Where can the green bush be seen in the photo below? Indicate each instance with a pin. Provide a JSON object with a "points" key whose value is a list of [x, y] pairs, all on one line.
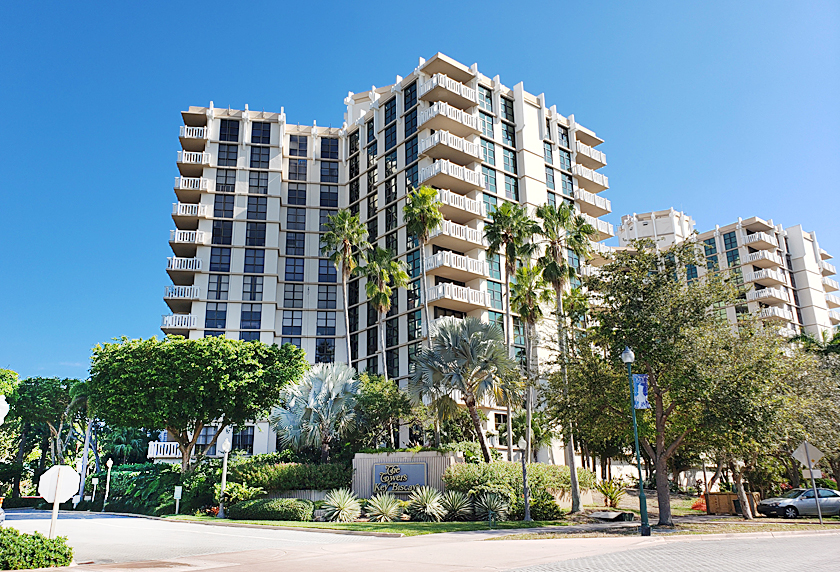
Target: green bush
{"points": [[272, 509], [237, 492], [292, 476], [424, 505], [384, 508], [22, 502], [543, 507], [342, 505], [491, 506], [20, 551], [471, 450], [613, 491], [457, 505], [826, 483]]}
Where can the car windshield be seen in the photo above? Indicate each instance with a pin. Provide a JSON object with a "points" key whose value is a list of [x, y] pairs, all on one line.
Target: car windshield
{"points": [[792, 494]]}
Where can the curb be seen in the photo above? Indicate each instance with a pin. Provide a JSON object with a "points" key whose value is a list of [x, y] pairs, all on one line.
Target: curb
{"points": [[779, 533]]}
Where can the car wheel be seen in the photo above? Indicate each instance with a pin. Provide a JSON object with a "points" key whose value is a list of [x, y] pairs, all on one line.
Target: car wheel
{"points": [[791, 512]]}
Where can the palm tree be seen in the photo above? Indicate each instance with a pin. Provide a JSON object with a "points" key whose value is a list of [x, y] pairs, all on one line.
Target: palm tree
{"points": [[383, 274], [563, 233], [467, 359], [127, 443], [421, 215], [528, 293], [509, 232], [345, 236], [318, 409]]}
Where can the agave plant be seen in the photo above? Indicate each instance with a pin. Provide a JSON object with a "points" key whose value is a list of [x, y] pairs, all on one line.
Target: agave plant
{"points": [[491, 506], [342, 505], [424, 505], [613, 490], [457, 506], [384, 508]]}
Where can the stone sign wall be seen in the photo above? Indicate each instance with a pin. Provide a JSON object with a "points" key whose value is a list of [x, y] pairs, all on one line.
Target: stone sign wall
{"points": [[401, 472]]}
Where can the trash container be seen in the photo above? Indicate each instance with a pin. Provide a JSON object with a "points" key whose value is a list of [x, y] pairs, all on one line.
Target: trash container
{"points": [[737, 504]]}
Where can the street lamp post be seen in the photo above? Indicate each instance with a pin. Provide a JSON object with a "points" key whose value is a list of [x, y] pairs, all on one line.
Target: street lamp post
{"points": [[225, 450], [109, 463], [628, 357]]}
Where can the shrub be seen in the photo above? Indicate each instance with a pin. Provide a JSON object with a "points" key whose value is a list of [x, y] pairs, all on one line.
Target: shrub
{"points": [[20, 551], [613, 491], [491, 506], [543, 507], [424, 505], [384, 508], [292, 476], [342, 505], [272, 509], [826, 483], [457, 506], [471, 450], [237, 492], [22, 502]]}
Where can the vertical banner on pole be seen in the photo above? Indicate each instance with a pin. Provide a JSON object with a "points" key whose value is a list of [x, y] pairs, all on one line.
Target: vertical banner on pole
{"points": [[640, 391]]}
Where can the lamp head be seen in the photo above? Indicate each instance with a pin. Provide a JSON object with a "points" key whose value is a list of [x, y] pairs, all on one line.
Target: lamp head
{"points": [[627, 356], [226, 446], [109, 463]]}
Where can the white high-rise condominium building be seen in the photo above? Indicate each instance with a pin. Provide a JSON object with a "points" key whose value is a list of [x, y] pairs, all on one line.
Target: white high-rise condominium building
{"points": [[785, 270], [254, 193]]}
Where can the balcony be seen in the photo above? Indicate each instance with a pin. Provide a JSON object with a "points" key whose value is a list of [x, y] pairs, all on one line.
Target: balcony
{"points": [[589, 157], [459, 208], [178, 323], [186, 215], [832, 301], [761, 241], [774, 313], [827, 268], [446, 175], [163, 450], [834, 316], [443, 88], [443, 117], [182, 270], [605, 230], [824, 255], [179, 298], [764, 259], [458, 297], [189, 189], [830, 285], [592, 204], [768, 277], [768, 296], [592, 181], [456, 266], [192, 138], [184, 242], [192, 163], [444, 145], [599, 253], [457, 237]]}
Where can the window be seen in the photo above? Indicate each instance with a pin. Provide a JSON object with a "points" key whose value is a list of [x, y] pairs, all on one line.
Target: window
{"points": [[392, 362], [227, 156], [222, 232], [373, 229], [412, 293], [213, 334], [294, 269], [390, 218], [710, 246], [391, 243], [297, 169], [394, 299], [490, 201], [251, 317], [217, 288], [326, 271], [551, 199], [261, 133], [547, 151], [415, 325], [518, 332], [354, 346], [411, 150], [215, 315], [489, 177], [712, 262], [254, 261], [565, 160], [295, 243], [497, 319], [733, 258], [411, 177], [297, 145], [295, 218], [294, 342], [204, 438], [412, 261], [372, 204], [371, 179], [509, 161], [255, 234], [391, 163], [512, 188], [690, 272], [243, 439], [485, 123], [410, 122], [354, 191], [507, 109], [567, 186], [257, 207], [564, 136], [329, 172], [326, 297], [293, 296], [259, 157], [372, 316], [508, 134], [329, 196], [548, 129], [495, 265], [252, 288], [292, 322], [485, 98], [372, 342], [413, 350], [229, 130], [354, 142], [219, 259], [390, 190], [223, 206], [297, 194], [329, 148], [258, 182], [225, 181], [549, 178], [730, 241], [495, 291], [353, 318], [324, 219], [325, 324], [410, 96], [371, 132], [391, 110], [353, 292], [354, 166], [324, 350], [488, 151], [390, 137]]}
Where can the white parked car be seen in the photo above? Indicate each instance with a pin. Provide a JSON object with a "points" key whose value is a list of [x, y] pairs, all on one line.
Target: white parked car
{"points": [[800, 502]]}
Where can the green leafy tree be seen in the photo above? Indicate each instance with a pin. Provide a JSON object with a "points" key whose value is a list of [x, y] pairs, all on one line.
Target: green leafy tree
{"points": [[127, 444], [48, 401], [467, 359], [384, 275], [185, 385], [344, 238]]}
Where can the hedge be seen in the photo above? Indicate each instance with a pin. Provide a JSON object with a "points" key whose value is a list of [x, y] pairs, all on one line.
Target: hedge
{"points": [[20, 551], [292, 476], [22, 502], [272, 509]]}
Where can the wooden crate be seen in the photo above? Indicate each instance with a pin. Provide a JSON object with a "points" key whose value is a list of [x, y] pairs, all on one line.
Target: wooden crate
{"points": [[724, 503]]}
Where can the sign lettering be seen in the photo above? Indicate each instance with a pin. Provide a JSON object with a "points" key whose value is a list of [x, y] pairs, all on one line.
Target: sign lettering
{"points": [[398, 477]]}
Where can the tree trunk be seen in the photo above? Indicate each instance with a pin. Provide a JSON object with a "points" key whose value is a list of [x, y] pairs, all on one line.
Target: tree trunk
{"points": [[603, 468], [509, 423], [346, 313], [85, 459], [746, 512], [509, 344], [437, 431], [469, 401], [570, 446], [715, 477], [382, 344], [19, 459], [427, 321], [325, 450], [663, 494], [528, 398]]}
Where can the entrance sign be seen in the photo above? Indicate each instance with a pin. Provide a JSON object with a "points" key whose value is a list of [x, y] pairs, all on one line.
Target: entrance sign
{"points": [[640, 391], [398, 477]]}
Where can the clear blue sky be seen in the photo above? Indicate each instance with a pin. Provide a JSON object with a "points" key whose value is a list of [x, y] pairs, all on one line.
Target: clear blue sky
{"points": [[722, 109]]}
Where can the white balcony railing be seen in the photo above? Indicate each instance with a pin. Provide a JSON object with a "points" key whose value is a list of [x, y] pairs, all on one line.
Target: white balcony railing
{"points": [[591, 152], [766, 293], [774, 312], [444, 167], [827, 268], [766, 274], [761, 237], [191, 183], [447, 197], [832, 300], [593, 199], [460, 232], [458, 262], [180, 263], [830, 284], [594, 176], [446, 82], [602, 226], [181, 321], [764, 255], [187, 236], [459, 293], [194, 157], [188, 132], [189, 209], [163, 450], [183, 292], [453, 113], [834, 315], [450, 140]]}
